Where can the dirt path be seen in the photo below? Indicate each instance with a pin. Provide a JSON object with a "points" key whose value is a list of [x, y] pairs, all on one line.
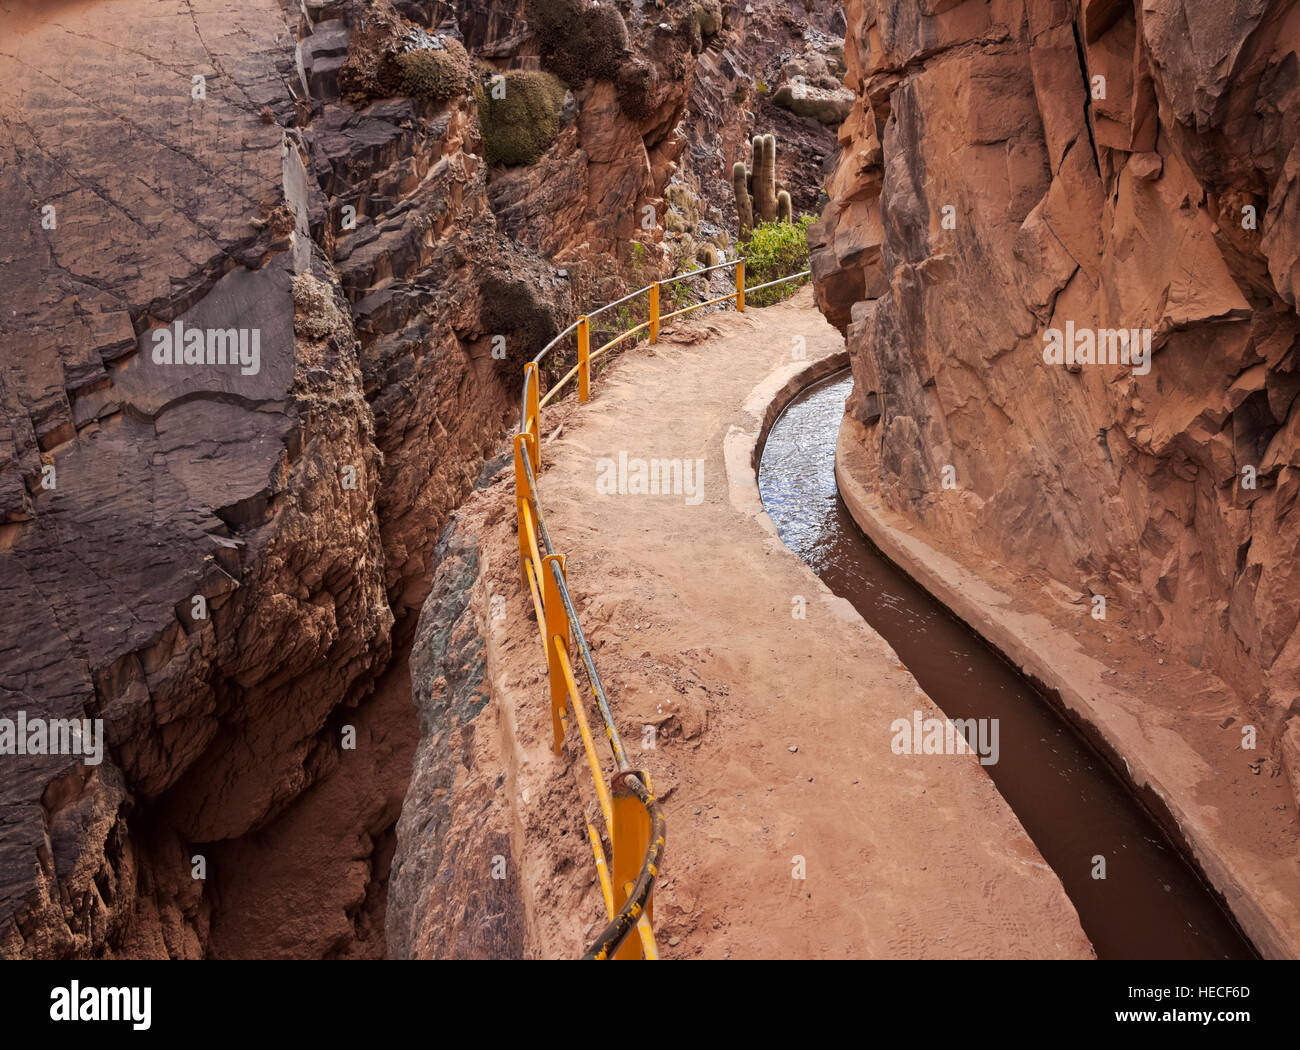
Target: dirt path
{"points": [[772, 731]]}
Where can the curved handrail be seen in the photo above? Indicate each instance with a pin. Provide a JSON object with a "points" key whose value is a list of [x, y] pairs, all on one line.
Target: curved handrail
{"points": [[616, 744], [632, 835]]}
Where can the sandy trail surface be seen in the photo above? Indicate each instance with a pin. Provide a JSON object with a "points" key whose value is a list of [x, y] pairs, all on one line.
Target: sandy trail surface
{"points": [[771, 731]]}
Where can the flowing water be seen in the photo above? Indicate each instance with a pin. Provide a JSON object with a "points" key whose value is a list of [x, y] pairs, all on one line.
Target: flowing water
{"points": [[1151, 904]]}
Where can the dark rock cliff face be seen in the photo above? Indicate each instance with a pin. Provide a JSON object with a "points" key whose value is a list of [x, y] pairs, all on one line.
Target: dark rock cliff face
{"points": [[167, 482], [1023, 165], [301, 502]]}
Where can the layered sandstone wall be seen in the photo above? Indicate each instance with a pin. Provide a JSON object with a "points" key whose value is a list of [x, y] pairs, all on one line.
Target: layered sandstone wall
{"points": [[1018, 166]]}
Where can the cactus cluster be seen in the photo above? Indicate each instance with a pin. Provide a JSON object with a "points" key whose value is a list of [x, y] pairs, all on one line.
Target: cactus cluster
{"points": [[755, 188]]}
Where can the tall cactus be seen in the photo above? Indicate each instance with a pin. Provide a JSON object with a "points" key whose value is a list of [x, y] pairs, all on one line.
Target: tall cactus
{"points": [[755, 188], [765, 178], [784, 207], [744, 203]]}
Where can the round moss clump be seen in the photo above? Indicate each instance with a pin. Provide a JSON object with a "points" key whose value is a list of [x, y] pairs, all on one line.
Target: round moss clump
{"points": [[708, 13], [635, 84], [516, 307], [519, 113], [579, 41], [607, 36], [434, 74]]}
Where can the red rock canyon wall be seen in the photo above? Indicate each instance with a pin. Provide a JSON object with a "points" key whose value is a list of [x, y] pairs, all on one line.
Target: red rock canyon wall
{"points": [[1021, 166]]}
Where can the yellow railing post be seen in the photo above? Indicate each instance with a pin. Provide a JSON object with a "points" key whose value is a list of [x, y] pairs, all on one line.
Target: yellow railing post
{"points": [[740, 285], [584, 360], [557, 633], [533, 415], [631, 835], [522, 503], [654, 312]]}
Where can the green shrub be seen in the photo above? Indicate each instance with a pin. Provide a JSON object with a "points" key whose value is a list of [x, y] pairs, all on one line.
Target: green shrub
{"points": [[775, 250], [579, 41], [550, 17], [437, 75], [519, 126]]}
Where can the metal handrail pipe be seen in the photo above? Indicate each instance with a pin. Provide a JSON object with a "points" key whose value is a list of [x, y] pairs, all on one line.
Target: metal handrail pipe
{"points": [[730, 264], [619, 302], [698, 306], [779, 280]]}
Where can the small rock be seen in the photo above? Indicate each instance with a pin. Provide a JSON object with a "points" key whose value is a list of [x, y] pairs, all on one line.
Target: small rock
{"points": [[792, 748], [1146, 166]]}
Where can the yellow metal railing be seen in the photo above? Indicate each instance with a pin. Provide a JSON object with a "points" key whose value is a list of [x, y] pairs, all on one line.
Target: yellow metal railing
{"points": [[633, 822]]}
